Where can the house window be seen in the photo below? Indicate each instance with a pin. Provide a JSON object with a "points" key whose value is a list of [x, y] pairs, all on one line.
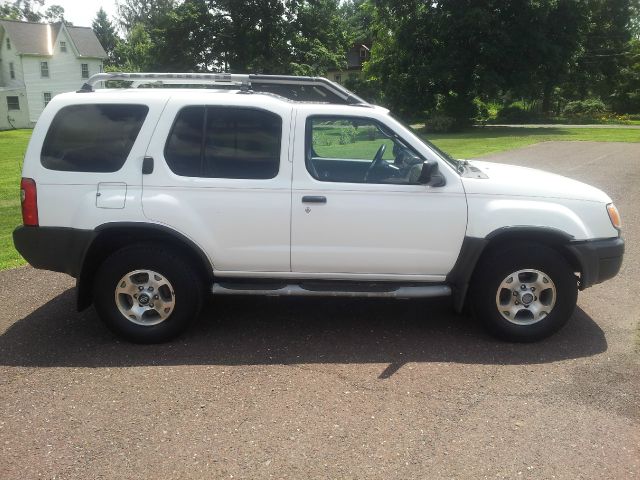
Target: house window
{"points": [[363, 53], [63, 46], [85, 70], [44, 69], [338, 78], [8, 44], [12, 72], [13, 103], [100, 68], [47, 98]]}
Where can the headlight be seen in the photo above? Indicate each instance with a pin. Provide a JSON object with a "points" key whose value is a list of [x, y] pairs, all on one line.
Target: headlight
{"points": [[614, 216]]}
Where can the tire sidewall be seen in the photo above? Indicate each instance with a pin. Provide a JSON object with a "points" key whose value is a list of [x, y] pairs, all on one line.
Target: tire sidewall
{"points": [[503, 263], [166, 263]]}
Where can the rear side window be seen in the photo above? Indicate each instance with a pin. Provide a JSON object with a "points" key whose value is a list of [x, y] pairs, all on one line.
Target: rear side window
{"points": [[225, 142], [92, 138]]}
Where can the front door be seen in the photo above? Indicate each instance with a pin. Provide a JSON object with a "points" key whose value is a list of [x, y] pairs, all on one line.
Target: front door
{"points": [[358, 209], [222, 177]]}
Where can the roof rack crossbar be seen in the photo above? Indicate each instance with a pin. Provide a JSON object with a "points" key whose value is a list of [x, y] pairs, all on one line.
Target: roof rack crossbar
{"points": [[243, 81]]}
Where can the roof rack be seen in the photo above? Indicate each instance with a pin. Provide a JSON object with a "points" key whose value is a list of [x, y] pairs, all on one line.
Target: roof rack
{"points": [[305, 89]]}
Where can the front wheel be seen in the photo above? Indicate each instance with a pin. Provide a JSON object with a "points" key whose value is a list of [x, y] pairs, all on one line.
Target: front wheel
{"points": [[525, 292], [147, 293]]}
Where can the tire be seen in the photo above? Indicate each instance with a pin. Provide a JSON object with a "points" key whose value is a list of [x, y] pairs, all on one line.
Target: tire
{"points": [[131, 279], [508, 277]]}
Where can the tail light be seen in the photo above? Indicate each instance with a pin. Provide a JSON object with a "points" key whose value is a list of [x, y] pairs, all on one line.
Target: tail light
{"points": [[29, 201]]}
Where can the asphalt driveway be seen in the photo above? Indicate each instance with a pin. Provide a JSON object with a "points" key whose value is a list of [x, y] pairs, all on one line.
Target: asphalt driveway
{"points": [[331, 388]]}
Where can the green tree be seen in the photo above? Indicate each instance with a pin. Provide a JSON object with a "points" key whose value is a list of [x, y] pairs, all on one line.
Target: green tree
{"points": [[134, 53], [320, 40], [27, 10], [55, 13], [190, 38], [142, 12], [106, 33]]}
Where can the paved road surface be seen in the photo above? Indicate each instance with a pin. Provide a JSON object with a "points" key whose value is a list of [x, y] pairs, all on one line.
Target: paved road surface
{"points": [[328, 388]]}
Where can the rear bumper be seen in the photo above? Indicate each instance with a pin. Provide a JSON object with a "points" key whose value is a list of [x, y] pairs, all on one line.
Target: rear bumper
{"points": [[53, 248], [599, 260]]}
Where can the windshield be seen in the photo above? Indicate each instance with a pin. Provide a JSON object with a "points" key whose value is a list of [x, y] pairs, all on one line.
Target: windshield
{"points": [[442, 154]]}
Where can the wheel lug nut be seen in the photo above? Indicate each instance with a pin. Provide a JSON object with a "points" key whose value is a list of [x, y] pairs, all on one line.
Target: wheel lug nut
{"points": [[517, 302], [151, 289], [140, 288], [533, 289], [156, 297], [151, 305], [523, 287]]}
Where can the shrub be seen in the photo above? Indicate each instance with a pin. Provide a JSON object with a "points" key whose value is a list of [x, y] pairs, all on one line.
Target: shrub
{"points": [[591, 107], [347, 135], [321, 139], [439, 123], [515, 113]]}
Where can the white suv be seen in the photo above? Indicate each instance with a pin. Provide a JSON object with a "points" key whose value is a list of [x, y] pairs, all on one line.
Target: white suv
{"points": [[267, 185]]}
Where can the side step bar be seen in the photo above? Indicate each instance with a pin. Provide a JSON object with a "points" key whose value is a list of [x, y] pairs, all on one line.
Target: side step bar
{"points": [[422, 291]]}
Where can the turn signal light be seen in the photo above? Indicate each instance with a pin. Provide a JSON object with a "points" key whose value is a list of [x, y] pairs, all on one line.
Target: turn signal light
{"points": [[614, 216], [29, 201]]}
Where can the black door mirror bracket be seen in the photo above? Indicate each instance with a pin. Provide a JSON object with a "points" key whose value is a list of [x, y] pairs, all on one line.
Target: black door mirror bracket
{"points": [[430, 174]]}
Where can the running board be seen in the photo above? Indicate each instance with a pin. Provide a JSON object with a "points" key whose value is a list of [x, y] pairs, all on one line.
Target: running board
{"points": [[422, 291]]}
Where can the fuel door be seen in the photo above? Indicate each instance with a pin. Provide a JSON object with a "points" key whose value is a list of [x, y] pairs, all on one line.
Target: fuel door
{"points": [[111, 195]]}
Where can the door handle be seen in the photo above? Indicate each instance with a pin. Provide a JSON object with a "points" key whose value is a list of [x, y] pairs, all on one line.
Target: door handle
{"points": [[147, 165], [314, 199]]}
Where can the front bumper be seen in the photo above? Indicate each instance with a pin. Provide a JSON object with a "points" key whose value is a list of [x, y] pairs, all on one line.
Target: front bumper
{"points": [[599, 260]]}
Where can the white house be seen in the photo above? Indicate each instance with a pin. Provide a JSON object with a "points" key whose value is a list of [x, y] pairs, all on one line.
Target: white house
{"points": [[38, 61]]}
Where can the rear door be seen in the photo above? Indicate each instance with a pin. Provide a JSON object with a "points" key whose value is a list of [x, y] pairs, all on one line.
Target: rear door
{"points": [[222, 177]]}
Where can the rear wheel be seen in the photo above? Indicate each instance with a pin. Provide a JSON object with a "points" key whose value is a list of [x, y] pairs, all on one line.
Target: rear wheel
{"points": [[524, 292], [147, 293]]}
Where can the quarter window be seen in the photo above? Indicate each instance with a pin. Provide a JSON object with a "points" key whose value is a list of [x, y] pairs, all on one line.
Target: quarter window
{"points": [[44, 69], [85, 70], [359, 150], [13, 103], [47, 98], [92, 137], [225, 142]]}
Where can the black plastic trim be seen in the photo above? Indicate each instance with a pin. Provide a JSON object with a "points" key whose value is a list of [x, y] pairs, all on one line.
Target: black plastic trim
{"points": [[314, 199], [530, 231], [147, 165], [599, 260], [460, 275], [59, 249]]}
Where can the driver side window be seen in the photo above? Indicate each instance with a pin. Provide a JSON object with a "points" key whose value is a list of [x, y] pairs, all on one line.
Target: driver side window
{"points": [[358, 150]]}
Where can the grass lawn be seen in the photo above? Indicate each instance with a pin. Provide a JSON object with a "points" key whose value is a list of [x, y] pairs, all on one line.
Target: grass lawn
{"points": [[13, 144], [482, 141], [477, 142]]}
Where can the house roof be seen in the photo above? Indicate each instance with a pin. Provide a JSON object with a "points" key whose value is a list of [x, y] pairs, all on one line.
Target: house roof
{"points": [[28, 37], [38, 38], [86, 42]]}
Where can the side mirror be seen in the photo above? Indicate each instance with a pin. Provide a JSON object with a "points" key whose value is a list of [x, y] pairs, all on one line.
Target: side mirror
{"points": [[430, 174]]}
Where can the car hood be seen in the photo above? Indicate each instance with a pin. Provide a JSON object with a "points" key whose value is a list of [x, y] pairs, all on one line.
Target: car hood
{"points": [[501, 179]]}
